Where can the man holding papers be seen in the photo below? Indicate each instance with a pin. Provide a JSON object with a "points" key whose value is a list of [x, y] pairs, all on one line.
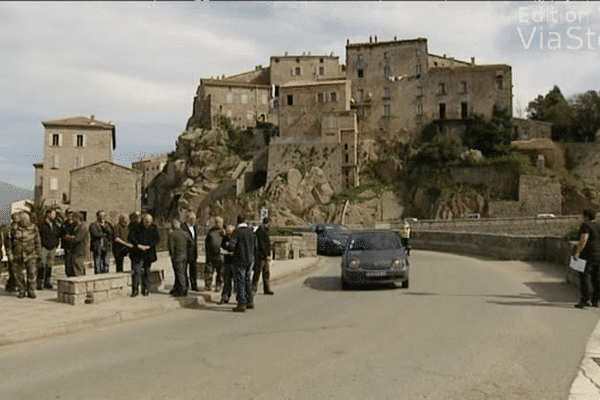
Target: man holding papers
{"points": [[588, 249]]}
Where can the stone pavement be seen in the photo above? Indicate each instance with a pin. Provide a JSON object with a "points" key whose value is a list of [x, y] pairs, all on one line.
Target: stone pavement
{"points": [[27, 319]]}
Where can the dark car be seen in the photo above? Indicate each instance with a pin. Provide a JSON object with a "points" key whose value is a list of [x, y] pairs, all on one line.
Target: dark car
{"points": [[331, 238], [374, 256]]}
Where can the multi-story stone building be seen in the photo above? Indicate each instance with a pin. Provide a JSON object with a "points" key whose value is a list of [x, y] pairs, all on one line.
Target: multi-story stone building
{"points": [[149, 167], [316, 118], [399, 88], [70, 143], [252, 97]]}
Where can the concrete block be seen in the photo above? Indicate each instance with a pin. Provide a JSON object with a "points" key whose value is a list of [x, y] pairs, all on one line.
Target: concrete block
{"points": [[76, 299], [102, 285], [118, 281], [100, 296], [79, 287]]}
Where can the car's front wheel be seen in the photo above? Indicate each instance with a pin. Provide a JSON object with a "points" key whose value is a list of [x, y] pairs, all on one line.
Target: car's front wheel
{"points": [[345, 284]]}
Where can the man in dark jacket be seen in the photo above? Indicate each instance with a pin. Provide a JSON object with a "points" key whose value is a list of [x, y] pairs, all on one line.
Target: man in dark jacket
{"points": [[588, 249], [214, 259], [263, 257], [101, 237], [243, 260], [227, 247], [191, 230], [67, 230], [144, 237], [50, 237]]}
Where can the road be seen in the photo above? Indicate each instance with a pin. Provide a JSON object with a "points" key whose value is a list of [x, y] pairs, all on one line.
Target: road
{"points": [[465, 329]]}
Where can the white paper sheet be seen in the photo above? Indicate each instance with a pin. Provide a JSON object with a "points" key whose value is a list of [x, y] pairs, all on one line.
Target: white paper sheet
{"points": [[577, 265]]}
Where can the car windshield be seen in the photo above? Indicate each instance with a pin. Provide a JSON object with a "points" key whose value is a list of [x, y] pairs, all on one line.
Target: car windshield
{"points": [[375, 241]]}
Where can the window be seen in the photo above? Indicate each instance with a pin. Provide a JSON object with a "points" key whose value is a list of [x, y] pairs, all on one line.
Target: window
{"points": [[321, 70], [297, 70], [463, 87], [360, 73], [499, 82], [54, 161], [418, 70], [360, 94], [362, 112], [56, 139], [360, 57], [386, 55], [386, 93], [387, 71], [320, 98], [525, 134], [332, 121], [53, 183], [78, 161], [290, 100], [419, 91], [464, 110], [441, 88], [79, 141], [419, 109], [346, 146], [249, 115], [387, 110], [417, 52], [229, 98], [333, 96], [321, 60], [442, 110], [275, 104], [347, 158], [276, 91], [244, 98]]}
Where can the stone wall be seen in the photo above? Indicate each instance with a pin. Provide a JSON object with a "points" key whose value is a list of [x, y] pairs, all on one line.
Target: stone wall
{"points": [[304, 245], [284, 155], [501, 247], [537, 195]]}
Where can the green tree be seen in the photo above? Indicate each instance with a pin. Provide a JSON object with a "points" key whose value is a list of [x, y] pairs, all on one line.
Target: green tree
{"points": [[37, 209], [442, 150], [492, 137], [553, 108], [586, 116]]}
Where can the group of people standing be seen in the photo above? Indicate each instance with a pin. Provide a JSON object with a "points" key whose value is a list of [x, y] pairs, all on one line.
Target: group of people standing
{"points": [[232, 254]]}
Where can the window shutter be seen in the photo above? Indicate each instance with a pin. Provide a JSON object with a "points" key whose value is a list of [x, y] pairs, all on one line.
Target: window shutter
{"points": [[74, 140], [84, 143], [60, 140]]}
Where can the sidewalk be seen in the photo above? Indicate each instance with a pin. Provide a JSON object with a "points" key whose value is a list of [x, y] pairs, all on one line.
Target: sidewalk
{"points": [[30, 319], [586, 384]]}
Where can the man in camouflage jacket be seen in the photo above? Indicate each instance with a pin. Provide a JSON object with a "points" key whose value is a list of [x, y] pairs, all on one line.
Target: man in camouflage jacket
{"points": [[24, 248]]}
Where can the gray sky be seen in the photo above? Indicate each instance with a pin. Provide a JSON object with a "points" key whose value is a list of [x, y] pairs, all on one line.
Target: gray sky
{"points": [[139, 64]]}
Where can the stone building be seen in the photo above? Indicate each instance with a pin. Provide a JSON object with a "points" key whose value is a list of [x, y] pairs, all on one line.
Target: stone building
{"points": [[252, 97], [70, 143], [149, 167], [399, 88], [528, 129], [105, 186], [319, 111]]}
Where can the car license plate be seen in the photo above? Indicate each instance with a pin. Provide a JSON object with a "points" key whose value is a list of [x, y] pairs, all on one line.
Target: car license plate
{"points": [[376, 273]]}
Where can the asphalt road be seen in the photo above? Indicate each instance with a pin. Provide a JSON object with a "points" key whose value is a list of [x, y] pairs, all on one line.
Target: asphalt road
{"points": [[465, 329]]}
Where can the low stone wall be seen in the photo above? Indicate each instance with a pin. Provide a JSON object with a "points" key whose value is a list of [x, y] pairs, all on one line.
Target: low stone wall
{"points": [[302, 245], [93, 289], [502, 247], [522, 226]]}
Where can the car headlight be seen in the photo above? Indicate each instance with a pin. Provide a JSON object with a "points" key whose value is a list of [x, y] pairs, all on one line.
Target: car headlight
{"points": [[354, 264], [397, 264]]}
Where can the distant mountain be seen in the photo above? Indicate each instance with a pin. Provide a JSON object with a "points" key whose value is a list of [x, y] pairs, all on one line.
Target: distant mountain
{"points": [[8, 194]]}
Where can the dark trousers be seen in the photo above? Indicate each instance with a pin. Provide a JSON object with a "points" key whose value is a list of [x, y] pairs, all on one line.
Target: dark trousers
{"points": [[243, 285], [213, 265], [44, 271], [180, 286], [262, 266], [119, 255], [140, 273], [591, 273], [227, 280], [69, 267], [101, 262], [25, 275], [192, 274]]}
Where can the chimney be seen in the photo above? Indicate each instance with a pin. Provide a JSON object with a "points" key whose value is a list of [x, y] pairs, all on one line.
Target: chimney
{"points": [[347, 42], [92, 116], [472, 60], [370, 39], [375, 38], [394, 38]]}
